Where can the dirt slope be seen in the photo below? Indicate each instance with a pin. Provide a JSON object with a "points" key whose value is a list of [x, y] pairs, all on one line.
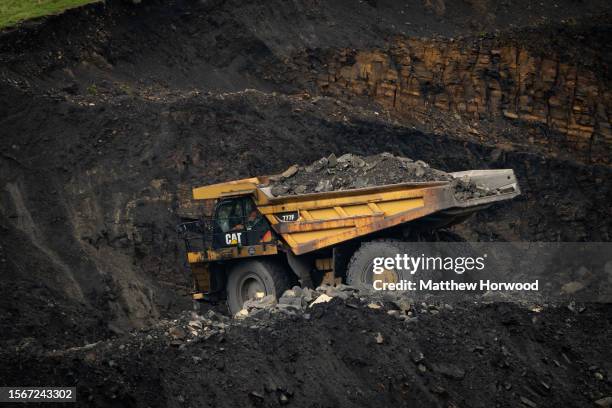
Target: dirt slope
{"points": [[342, 354]]}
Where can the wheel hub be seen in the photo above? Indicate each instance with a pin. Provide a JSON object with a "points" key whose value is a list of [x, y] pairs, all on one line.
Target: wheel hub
{"points": [[386, 276], [252, 288]]}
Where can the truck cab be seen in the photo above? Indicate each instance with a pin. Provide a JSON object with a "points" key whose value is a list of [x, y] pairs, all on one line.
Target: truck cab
{"points": [[238, 222], [218, 248]]}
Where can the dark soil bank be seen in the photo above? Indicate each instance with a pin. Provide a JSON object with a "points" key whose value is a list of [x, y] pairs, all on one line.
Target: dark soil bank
{"points": [[109, 114], [343, 355]]}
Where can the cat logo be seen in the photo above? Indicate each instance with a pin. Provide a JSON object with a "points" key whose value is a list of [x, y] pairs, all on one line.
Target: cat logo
{"points": [[234, 238]]}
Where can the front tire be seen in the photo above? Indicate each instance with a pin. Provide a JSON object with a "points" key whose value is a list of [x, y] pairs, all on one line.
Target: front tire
{"points": [[253, 278]]}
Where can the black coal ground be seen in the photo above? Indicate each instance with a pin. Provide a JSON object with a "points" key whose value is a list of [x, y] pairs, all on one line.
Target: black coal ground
{"points": [[342, 353]]}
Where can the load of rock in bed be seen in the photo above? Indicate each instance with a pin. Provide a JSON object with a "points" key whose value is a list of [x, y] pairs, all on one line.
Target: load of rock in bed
{"points": [[350, 171]]}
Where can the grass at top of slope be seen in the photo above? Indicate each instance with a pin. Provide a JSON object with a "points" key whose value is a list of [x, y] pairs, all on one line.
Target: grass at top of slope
{"points": [[15, 11]]}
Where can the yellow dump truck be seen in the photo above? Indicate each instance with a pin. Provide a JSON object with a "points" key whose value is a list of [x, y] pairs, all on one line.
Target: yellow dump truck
{"points": [[255, 244]]}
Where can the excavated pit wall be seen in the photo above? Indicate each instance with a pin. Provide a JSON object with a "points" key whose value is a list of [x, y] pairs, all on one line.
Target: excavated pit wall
{"points": [[479, 79]]}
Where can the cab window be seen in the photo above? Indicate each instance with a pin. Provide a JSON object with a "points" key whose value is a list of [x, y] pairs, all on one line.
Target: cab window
{"points": [[229, 216]]}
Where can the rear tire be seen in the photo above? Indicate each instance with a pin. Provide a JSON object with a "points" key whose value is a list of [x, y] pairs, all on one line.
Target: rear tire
{"points": [[248, 278], [360, 268]]}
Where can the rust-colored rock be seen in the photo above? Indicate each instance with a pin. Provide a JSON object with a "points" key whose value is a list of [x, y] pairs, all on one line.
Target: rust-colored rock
{"points": [[479, 79]]}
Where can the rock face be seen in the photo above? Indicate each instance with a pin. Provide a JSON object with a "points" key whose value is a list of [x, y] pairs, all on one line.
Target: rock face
{"points": [[479, 79]]}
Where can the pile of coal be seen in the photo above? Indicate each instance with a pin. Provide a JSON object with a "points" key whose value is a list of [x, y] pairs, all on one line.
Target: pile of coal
{"points": [[350, 171]]}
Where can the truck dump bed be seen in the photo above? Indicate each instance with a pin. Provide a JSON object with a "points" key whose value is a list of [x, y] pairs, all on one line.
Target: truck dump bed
{"points": [[308, 222]]}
